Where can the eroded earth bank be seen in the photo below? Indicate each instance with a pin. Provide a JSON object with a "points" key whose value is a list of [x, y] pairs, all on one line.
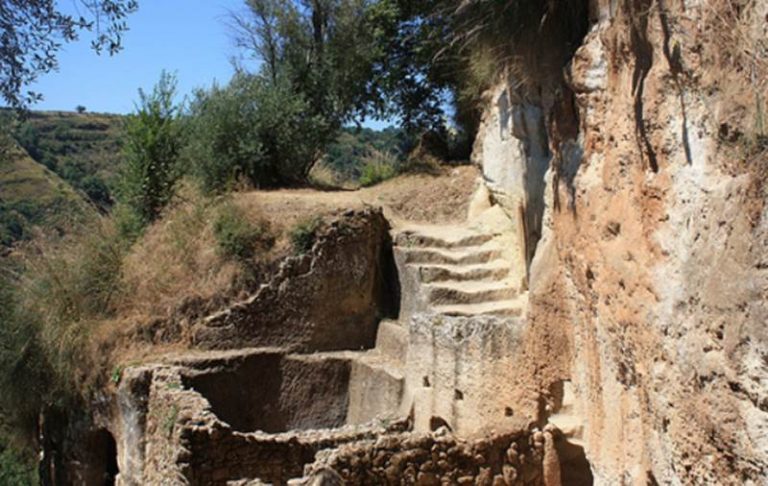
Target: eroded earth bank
{"points": [[587, 304]]}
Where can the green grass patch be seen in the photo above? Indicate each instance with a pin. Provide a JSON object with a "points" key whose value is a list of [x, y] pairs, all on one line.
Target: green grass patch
{"points": [[304, 234], [376, 172], [237, 237]]}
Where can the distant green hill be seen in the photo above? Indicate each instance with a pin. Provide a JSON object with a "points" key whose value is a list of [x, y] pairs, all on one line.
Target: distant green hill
{"points": [[348, 155], [33, 198], [82, 148]]}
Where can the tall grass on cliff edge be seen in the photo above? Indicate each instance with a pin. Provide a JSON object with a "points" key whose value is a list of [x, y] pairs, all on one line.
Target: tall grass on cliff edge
{"points": [[738, 28], [64, 289]]}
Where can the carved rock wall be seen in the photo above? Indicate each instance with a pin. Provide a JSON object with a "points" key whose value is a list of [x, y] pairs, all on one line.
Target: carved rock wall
{"points": [[648, 288]]}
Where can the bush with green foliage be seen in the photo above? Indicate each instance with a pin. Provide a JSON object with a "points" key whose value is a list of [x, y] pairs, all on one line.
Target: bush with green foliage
{"points": [[12, 226], [29, 138], [304, 233], [15, 470], [236, 237], [154, 140], [255, 131], [348, 154], [378, 166], [376, 172], [79, 175]]}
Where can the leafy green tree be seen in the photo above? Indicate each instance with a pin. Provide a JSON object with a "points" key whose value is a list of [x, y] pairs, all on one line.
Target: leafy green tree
{"points": [[255, 130], [356, 59], [453, 50], [15, 470], [33, 31], [321, 51], [153, 142], [28, 137]]}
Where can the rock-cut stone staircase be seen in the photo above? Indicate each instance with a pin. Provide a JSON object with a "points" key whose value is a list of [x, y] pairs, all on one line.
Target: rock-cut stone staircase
{"points": [[451, 270], [457, 271]]}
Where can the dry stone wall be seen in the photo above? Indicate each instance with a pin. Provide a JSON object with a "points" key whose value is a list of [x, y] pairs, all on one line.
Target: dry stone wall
{"points": [[499, 459], [185, 441]]}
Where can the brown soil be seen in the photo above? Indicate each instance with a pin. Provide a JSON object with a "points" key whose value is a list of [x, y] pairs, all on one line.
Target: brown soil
{"points": [[441, 198]]}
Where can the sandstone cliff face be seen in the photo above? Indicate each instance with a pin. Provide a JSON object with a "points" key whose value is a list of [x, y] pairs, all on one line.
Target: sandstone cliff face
{"points": [[648, 288]]}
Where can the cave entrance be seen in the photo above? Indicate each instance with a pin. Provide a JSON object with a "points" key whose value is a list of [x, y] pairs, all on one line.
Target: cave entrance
{"points": [[574, 466], [102, 467]]}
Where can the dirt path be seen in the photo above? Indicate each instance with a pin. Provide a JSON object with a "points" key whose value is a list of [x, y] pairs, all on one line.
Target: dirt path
{"points": [[435, 199]]}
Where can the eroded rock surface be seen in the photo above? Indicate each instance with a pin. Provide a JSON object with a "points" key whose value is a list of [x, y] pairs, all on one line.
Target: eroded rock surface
{"points": [[648, 287], [330, 298]]}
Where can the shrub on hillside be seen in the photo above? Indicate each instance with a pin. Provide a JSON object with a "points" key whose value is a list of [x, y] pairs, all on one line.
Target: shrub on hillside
{"points": [[376, 172], [97, 190], [28, 137], [12, 226], [14, 470], [378, 167], [80, 176], [348, 154], [254, 130], [236, 237], [304, 233], [152, 146]]}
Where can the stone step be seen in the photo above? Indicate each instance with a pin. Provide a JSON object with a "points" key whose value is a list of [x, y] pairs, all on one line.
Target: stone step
{"points": [[571, 426], [506, 308], [494, 270], [440, 237], [376, 387], [453, 292], [392, 340], [452, 257]]}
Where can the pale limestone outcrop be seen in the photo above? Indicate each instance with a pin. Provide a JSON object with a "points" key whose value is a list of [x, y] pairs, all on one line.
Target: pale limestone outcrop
{"points": [[453, 369], [512, 150]]}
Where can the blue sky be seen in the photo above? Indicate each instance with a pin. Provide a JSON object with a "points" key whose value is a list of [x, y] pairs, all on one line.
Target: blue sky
{"points": [[188, 37]]}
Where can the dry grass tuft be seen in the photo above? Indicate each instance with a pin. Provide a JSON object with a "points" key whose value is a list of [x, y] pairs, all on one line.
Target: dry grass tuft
{"points": [[178, 259], [324, 177], [739, 34]]}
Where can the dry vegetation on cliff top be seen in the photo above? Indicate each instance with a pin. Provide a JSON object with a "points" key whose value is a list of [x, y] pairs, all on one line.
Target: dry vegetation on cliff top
{"points": [[176, 271], [740, 31]]}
